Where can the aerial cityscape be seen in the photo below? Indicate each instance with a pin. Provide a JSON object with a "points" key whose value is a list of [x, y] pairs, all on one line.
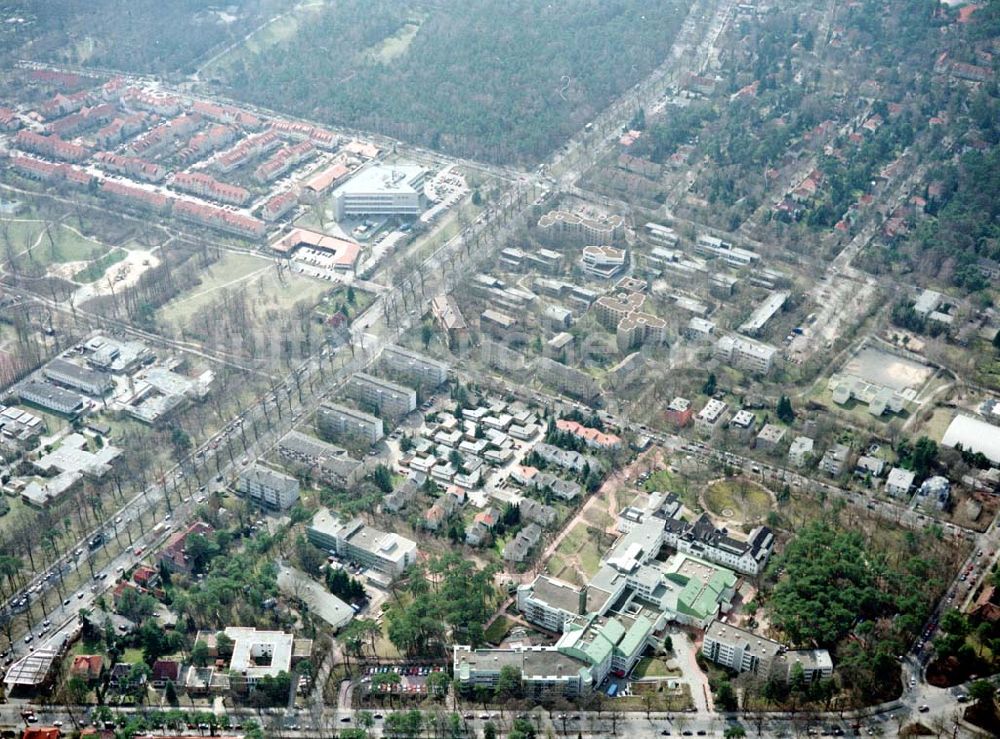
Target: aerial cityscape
{"points": [[394, 368]]}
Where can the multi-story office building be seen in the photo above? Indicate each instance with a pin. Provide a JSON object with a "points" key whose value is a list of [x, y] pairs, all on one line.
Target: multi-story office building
{"points": [[340, 422], [387, 553], [391, 400], [416, 368], [381, 190], [268, 487]]}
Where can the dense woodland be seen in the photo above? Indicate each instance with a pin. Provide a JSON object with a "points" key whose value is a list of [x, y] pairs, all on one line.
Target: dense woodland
{"points": [[133, 35], [863, 599], [495, 81]]}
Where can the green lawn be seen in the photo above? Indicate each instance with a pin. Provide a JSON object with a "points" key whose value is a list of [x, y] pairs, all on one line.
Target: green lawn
{"points": [[555, 565], [498, 630], [747, 500], [653, 667], [230, 271], [574, 539], [590, 557], [39, 250]]}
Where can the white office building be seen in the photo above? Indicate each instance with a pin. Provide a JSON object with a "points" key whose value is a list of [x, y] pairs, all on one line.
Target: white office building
{"points": [[381, 190], [387, 553]]}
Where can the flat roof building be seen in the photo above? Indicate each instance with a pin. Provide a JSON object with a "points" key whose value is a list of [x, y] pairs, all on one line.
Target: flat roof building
{"points": [[738, 649], [800, 450], [325, 461], [745, 354], [389, 398], [417, 368], [336, 421], [270, 488], [387, 553], [91, 382], [763, 313], [381, 190], [49, 397]]}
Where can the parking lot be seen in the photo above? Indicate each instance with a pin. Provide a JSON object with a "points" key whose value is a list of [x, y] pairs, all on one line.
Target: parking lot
{"points": [[412, 679]]}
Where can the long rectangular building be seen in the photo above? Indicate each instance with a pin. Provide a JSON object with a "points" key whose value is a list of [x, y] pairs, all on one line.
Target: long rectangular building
{"points": [[389, 398], [339, 422], [91, 382], [417, 368]]}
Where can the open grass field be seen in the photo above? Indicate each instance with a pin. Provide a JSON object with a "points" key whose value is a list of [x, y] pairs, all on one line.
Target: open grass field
{"points": [[230, 271], [655, 697], [737, 499], [38, 250]]}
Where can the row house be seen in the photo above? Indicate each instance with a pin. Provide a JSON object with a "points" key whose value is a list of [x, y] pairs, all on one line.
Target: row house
{"points": [[279, 205], [114, 88], [163, 134], [226, 114], [247, 149], [60, 80], [207, 141], [153, 102], [304, 132], [86, 118], [9, 120], [48, 172], [284, 160], [136, 196], [130, 166], [209, 187], [120, 128], [224, 220], [60, 104], [592, 437], [51, 146]]}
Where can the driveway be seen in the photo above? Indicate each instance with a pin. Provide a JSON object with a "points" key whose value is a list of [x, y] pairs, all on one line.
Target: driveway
{"points": [[684, 652]]}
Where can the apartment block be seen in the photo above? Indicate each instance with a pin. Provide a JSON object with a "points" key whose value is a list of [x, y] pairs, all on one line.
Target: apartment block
{"points": [[269, 488], [745, 354], [391, 400], [739, 650], [339, 422], [417, 368], [711, 416]]}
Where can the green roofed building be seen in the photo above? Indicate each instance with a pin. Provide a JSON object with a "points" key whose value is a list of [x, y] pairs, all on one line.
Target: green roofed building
{"points": [[608, 623]]}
